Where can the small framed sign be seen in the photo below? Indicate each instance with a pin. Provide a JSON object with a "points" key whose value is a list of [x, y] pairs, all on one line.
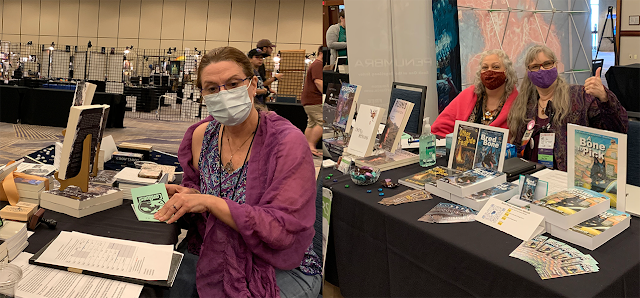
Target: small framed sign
{"points": [[634, 20]]}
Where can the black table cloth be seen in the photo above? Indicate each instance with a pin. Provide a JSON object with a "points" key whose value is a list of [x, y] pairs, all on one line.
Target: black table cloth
{"points": [[624, 82], [380, 251], [119, 222]]}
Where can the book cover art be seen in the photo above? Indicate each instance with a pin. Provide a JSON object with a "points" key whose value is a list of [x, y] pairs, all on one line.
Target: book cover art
{"points": [[89, 123], [596, 163], [107, 177], [489, 148], [528, 188], [449, 213], [493, 191], [28, 182], [395, 124], [36, 169], [333, 93], [597, 225], [74, 192], [571, 201], [465, 148], [345, 104], [429, 176], [148, 200], [364, 131], [471, 177]]}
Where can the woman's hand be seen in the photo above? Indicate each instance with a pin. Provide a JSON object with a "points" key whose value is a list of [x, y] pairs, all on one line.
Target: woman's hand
{"points": [[182, 203], [173, 189], [593, 86]]}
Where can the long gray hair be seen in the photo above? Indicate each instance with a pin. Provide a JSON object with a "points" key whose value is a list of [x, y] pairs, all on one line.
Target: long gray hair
{"points": [[529, 93], [510, 73]]}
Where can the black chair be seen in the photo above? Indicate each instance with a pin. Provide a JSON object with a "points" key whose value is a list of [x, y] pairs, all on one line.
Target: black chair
{"points": [[633, 156], [415, 94]]}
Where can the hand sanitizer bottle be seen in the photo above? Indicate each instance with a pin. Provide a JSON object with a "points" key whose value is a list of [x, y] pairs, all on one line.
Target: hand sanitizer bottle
{"points": [[427, 145]]}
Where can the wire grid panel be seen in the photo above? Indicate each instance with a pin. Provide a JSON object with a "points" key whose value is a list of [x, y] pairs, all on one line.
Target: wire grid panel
{"points": [[293, 68], [97, 66], [59, 64], [115, 62]]}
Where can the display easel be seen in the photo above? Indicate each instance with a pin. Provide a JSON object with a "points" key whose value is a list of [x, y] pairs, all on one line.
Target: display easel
{"points": [[82, 179]]}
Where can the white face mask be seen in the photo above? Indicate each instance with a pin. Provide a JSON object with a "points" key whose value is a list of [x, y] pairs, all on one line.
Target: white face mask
{"points": [[229, 107]]}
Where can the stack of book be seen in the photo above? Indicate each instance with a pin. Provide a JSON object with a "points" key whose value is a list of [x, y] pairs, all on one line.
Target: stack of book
{"points": [[14, 235], [29, 190], [73, 202], [581, 216], [129, 178], [105, 177], [472, 188], [388, 161], [125, 159]]}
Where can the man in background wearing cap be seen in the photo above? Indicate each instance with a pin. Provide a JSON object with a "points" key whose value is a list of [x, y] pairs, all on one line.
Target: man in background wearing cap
{"points": [[267, 48], [311, 99], [256, 56]]}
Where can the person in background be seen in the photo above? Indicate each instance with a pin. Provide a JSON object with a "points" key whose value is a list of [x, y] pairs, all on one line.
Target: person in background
{"points": [[256, 56], [337, 39], [312, 102], [247, 195], [547, 103], [267, 49], [488, 100]]}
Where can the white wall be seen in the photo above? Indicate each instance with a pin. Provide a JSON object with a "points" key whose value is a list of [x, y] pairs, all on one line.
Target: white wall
{"points": [[391, 40], [629, 45], [154, 24]]}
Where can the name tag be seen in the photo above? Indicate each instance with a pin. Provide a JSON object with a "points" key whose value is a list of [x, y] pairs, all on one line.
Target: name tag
{"points": [[545, 149]]}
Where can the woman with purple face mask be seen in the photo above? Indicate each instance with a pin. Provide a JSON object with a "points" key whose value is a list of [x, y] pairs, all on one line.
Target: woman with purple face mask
{"points": [[546, 104], [489, 99]]}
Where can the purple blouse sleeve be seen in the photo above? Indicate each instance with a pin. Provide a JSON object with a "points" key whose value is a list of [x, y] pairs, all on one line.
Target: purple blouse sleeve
{"points": [[609, 115], [280, 228]]}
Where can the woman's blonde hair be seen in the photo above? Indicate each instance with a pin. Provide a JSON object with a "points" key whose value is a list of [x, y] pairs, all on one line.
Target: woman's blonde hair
{"points": [[510, 73], [528, 94]]}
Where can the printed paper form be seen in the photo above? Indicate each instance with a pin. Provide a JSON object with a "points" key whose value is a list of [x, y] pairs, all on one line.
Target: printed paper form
{"points": [[508, 218], [45, 282], [557, 179], [109, 256]]}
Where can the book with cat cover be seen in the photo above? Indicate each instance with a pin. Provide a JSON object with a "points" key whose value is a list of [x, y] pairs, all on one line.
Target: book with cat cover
{"points": [[597, 160], [595, 231], [471, 181], [570, 207]]}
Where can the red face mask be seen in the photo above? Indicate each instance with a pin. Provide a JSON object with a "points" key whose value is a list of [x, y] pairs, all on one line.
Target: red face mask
{"points": [[493, 79]]}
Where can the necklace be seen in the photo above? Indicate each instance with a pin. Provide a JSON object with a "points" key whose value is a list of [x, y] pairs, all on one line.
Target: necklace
{"points": [[489, 115], [241, 170], [229, 165]]}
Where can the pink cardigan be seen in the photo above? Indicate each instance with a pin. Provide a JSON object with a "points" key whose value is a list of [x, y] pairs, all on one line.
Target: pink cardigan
{"points": [[461, 107]]}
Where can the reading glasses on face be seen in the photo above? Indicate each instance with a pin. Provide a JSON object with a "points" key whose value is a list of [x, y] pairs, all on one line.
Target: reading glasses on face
{"points": [[546, 65], [227, 86]]}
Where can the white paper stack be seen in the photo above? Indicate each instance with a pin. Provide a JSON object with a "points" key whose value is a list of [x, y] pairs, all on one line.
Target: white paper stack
{"points": [[14, 235], [128, 179]]}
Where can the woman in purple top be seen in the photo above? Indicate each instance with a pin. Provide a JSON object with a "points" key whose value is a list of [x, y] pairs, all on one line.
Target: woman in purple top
{"points": [[247, 196], [549, 103]]}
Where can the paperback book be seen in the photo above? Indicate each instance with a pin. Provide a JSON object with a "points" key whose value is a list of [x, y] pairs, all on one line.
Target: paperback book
{"points": [[597, 160], [346, 108], [570, 207], [477, 146], [471, 181], [72, 201], [333, 93], [594, 232], [528, 188], [396, 122], [388, 161], [476, 201], [427, 180], [364, 132]]}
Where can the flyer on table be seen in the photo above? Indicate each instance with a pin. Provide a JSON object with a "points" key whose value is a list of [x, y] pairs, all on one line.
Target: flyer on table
{"points": [[513, 220]]}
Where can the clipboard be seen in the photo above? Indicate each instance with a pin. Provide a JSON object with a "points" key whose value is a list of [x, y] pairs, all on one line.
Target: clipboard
{"points": [[176, 260]]}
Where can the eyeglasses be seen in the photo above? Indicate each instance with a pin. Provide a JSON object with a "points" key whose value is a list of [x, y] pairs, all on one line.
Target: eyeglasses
{"points": [[228, 86], [546, 65]]}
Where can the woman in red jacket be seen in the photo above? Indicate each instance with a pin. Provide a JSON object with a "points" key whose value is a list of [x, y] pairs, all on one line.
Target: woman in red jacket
{"points": [[486, 102]]}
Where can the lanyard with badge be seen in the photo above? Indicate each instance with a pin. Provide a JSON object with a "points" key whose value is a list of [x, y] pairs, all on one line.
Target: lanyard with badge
{"points": [[546, 141]]}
